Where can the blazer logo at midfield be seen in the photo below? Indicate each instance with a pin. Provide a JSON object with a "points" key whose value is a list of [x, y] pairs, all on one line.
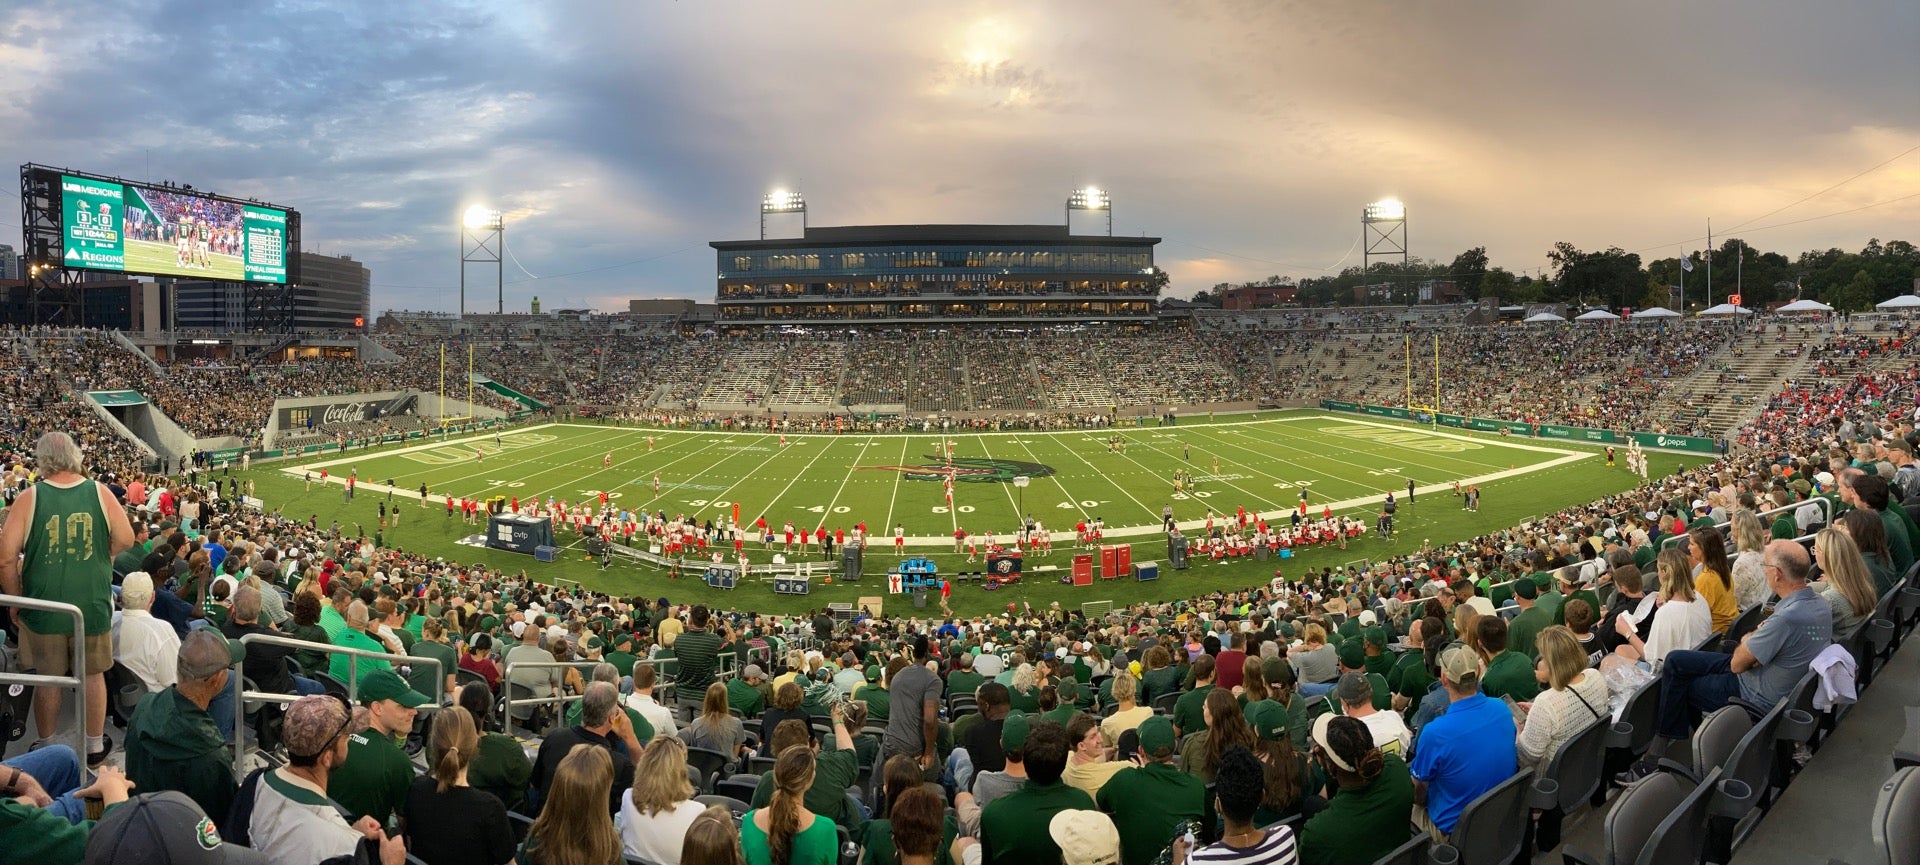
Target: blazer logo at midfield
{"points": [[967, 470]]}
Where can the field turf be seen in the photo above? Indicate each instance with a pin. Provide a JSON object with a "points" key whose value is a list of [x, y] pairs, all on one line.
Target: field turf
{"points": [[1263, 463], [148, 256]]}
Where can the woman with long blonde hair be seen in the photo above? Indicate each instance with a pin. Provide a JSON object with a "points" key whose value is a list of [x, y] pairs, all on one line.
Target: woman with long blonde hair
{"points": [[1844, 580], [574, 827], [785, 832], [1681, 621], [1127, 712], [657, 810], [1750, 542], [716, 729]]}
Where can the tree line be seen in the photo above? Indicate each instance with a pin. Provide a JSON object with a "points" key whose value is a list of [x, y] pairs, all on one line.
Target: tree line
{"points": [[1614, 278]]}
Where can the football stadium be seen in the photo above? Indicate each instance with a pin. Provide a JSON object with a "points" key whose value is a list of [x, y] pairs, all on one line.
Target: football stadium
{"points": [[945, 534]]}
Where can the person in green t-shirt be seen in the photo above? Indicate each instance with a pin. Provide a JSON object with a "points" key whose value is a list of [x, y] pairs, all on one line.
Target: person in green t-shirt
{"points": [[1366, 817], [622, 657], [1187, 711], [874, 692], [377, 773], [835, 770], [964, 680], [1014, 828], [355, 636], [743, 691], [58, 544], [1531, 620], [500, 765], [433, 644], [1508, 673], [1149, 803]]}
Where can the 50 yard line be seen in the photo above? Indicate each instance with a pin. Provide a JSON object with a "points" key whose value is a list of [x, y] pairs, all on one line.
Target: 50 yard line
{"points": [[896, 484]]}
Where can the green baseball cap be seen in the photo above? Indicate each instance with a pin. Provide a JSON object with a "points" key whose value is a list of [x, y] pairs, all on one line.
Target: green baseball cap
{"points": [[1013, 732], [1352, 655], [1374, 636], [591, 643], [1269, 720], [1156, 735], [1277, 672], [873, 673], [380, 685], [622, 640]]}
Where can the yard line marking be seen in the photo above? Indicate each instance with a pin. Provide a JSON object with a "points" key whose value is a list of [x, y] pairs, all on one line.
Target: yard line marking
{"points": [[721, 495], [532, 453], [1257, 499], [1055, 477], [1110, 482], [896, 483], [796, 478], [854, 467]]}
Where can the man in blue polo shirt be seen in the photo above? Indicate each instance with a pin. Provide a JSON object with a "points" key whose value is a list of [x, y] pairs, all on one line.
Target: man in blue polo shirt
{"points": [[1463, 753]]}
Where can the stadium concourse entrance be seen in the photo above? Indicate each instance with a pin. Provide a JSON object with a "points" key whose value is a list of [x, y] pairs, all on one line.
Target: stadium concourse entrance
{"points": [[130, 414]]}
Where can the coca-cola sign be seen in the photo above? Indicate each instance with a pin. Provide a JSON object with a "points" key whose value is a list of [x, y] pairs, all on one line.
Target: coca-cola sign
{"points": [[345, 413], [347, 410]]}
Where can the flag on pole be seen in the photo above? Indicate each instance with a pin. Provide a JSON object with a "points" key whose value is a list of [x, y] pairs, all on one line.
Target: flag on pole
{"points": [[1686, 263]]}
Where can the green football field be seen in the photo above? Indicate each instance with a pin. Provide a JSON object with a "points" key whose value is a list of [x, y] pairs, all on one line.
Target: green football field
{"points": [[149, 256], [1261, 463]]}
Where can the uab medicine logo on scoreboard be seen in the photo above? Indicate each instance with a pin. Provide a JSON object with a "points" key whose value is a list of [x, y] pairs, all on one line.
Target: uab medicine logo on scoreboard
{"points": [[92, 213], [970, 470]]}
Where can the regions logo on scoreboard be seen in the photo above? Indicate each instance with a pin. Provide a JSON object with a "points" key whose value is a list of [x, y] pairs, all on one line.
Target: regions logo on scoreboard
{"points": [[971, 470]]}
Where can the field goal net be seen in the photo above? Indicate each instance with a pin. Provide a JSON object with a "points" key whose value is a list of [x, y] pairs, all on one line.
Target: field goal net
{"points": [[1096, 611]]}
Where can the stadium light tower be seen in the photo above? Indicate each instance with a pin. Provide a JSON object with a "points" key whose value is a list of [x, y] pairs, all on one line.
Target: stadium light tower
{"points": [[1383, 228], [782, 201], [1090, 198], [483, 240]]}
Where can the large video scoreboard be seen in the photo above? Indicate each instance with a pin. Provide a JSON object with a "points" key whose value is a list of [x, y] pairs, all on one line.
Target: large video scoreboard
{"points": [[158, 230]]}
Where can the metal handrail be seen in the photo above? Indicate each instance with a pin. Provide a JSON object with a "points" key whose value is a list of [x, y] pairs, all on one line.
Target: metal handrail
{"points": [[77, 678], [507, 702], [1825, 505], [352, 683]]}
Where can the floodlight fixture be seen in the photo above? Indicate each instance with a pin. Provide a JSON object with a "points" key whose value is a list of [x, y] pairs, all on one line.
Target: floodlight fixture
{"points": [[1386, 210], [480, 217], [1090, 198], [782, 201]]}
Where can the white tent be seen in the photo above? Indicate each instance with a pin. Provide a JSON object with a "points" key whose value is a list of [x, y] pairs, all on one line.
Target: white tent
{"points": [[1805, 306], [1905, 301], [1596, 315], [1537, 318], [1656, 312], [1726, 309]]}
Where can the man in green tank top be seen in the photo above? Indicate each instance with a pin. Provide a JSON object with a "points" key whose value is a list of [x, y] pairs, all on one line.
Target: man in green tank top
{"points": [[58, 545]]}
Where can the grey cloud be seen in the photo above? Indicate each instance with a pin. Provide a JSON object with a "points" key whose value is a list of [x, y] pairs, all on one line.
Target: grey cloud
{"points": [[634, 132]]}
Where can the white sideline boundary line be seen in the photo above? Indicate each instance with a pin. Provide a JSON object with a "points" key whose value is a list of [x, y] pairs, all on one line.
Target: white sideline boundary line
{"points": [[1566, 457]]}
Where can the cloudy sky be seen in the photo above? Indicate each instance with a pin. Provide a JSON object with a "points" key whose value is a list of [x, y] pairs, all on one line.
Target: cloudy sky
{"points": [[621, 137]]}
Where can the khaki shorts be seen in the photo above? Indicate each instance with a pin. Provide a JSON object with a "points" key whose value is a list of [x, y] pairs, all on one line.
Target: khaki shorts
{"points": [[52, 654]]}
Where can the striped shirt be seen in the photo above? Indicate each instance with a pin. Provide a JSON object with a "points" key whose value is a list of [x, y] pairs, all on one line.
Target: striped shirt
{"points": [[1277, 848]]}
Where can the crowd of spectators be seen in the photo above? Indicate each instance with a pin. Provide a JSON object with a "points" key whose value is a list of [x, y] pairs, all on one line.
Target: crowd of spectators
{"points": [[1609, 377], [1317, 737]]}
